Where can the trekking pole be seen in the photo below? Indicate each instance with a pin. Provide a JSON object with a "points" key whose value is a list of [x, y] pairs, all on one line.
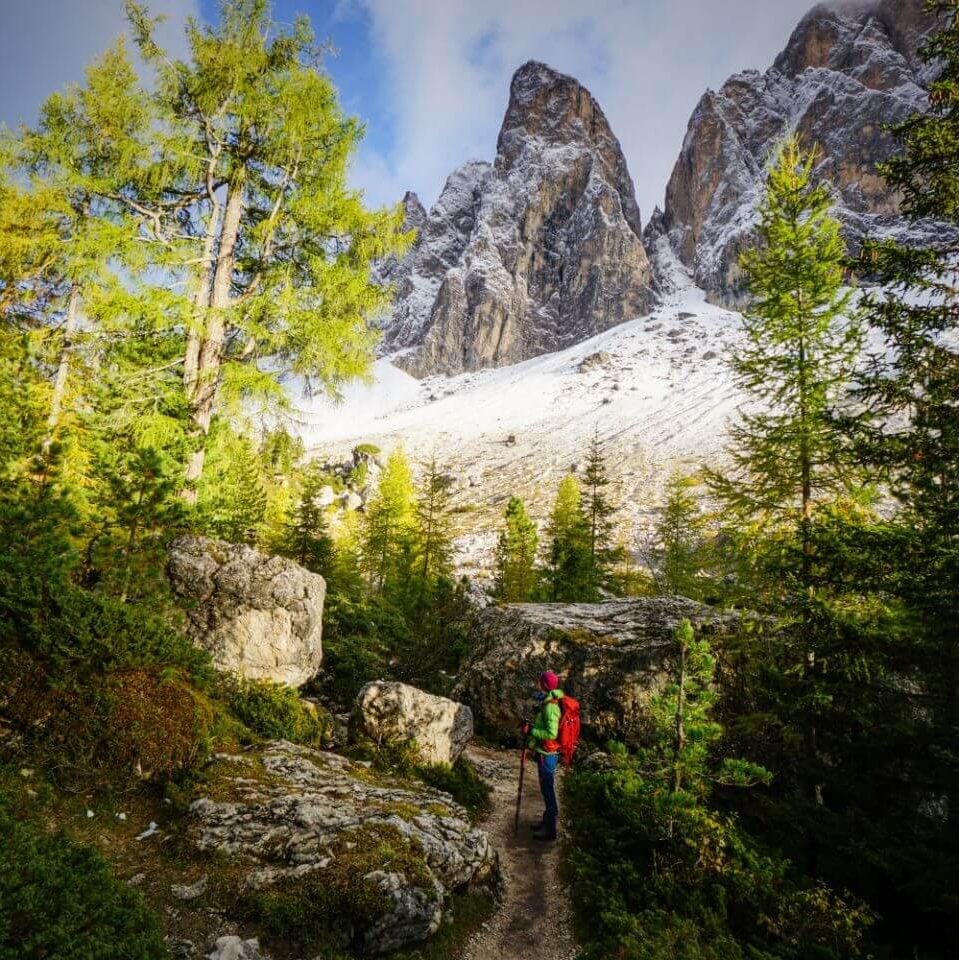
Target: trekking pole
{"points": [[522, 770]]}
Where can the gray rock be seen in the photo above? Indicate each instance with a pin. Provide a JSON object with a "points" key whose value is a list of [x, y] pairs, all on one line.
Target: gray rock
{"points": [[846, 72], [233, 948], [595, 361], [183, 891], [612, 656], [535, 253], [291, 813], [257, 615], [389, 712]]}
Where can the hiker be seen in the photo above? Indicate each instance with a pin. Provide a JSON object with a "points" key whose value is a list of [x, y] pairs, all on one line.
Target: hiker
{"points": [[544, 740]]}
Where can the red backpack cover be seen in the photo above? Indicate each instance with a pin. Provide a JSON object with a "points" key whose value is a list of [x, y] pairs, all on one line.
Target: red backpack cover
{"points": [[568, 729]]}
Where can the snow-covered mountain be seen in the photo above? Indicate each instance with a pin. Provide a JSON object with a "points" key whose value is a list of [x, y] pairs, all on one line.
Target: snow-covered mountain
{"points": [[536, 252], [846, 71], [656, 389]]}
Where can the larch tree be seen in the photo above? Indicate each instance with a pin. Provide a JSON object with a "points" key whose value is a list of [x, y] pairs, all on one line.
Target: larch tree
{"points": [[569, 570], [516, 574], [433, 537], [598, 511], [86, 146], [387, 525], [259, 221], [803, 337], [678, 554]]}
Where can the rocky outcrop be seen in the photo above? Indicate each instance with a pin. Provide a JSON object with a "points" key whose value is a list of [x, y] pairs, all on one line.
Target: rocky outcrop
{"points": [[534, 254], [258, 616], [376, 858], [612, 656], [389, 712], [845, 72]]}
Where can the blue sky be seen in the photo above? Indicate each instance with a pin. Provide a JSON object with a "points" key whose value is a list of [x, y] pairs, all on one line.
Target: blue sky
{"points": [[430, 78]]}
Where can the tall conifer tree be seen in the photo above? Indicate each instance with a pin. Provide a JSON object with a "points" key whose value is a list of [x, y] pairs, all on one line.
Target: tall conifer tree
{"points": [[516, 574], [803, 337]]}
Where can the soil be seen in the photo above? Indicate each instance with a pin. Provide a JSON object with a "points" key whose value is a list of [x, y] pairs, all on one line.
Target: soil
{"points": [[534, 920]]}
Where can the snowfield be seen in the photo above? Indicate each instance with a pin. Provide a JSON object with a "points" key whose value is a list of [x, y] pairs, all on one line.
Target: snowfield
{"points": [[657, 390]]}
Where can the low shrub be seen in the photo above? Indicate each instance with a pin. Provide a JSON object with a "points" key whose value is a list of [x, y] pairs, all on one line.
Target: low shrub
{"points": [[276, 711], [60, 901], [78, 632], [462, 781], [661, 880], [121, 730]]}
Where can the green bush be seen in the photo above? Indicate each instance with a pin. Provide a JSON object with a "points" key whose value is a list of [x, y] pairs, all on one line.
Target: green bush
{"points": [[79, 632], [659, 880], [338, 905], [60, 901], [461, 781], [120, 730], [275, 711]]}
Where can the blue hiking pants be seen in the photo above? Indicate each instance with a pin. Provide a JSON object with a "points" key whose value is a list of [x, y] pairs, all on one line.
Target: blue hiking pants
{"points": [[546, 765]]}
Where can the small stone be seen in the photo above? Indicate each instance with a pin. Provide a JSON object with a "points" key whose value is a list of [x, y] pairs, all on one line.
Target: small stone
{"points": [[25, 772], [89, 814], [183, 891]]}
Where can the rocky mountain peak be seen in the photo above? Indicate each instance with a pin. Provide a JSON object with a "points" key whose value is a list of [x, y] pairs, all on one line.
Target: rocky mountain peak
{"points": [[847, 71], [529, 255], [557, 109]]}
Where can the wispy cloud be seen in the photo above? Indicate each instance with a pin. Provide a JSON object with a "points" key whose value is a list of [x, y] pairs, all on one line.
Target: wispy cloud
{"points": [[646, 61]]}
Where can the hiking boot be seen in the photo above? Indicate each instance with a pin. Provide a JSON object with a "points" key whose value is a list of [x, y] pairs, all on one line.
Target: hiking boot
{"points": [[546, 831]]}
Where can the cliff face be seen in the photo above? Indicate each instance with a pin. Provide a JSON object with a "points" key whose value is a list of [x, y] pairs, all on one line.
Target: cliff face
{"points": [[844, 74], [537, 252]]}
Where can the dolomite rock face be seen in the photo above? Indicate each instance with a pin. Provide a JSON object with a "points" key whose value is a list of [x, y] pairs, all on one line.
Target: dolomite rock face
{"points": [[392, 712], [535, 253], [259, 616], [844, 74], [611, 656], [293, 817]]}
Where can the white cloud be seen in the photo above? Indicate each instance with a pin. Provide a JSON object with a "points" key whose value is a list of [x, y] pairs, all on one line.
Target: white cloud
{"points": [[646, 61]]}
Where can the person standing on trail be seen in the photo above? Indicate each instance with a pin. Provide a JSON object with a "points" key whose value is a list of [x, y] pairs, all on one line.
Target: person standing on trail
{"points": [[543, 739]]}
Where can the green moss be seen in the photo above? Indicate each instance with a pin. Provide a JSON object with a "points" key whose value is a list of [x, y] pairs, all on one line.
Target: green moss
{"points": [[333, 907], [59, 899], [467, 912], [275, 711]]}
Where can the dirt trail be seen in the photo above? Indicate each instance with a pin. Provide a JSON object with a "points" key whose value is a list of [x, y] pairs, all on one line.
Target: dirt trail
{"points": [[533, 922]]}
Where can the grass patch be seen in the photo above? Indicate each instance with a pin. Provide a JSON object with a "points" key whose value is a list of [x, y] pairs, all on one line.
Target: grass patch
{"points": [[276, 711]]}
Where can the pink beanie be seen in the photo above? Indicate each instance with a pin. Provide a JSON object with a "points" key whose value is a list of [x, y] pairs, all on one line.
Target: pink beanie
{"points": [[548, 680]]}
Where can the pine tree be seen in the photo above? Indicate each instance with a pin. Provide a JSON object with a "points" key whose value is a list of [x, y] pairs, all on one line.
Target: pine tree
{"points": [[802, 339], [599, 513], [912, 389], [569, 568], [233, 496], [680, 547], [307, 539], [387, 526], [260, 150], [433, 537], [516, 574]]}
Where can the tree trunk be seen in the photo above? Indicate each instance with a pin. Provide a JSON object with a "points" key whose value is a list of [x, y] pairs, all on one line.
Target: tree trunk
{"points": [[209, 351], [679, 741], [70, 326]]}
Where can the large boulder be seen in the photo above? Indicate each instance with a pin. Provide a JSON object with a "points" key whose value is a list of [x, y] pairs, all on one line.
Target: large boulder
{"points": [[374, 859], [259, 616], [612, 656], [389, 712]]}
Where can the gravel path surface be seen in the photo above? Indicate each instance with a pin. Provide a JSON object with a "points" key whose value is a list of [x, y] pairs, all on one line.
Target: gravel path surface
{"points": [[533, 921]]}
